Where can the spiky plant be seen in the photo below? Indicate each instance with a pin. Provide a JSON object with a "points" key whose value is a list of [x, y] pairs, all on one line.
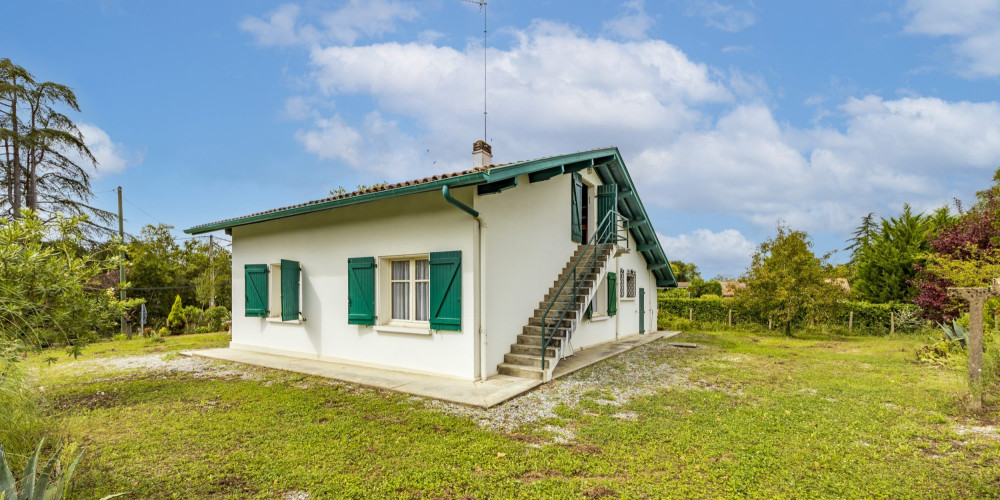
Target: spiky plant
{"points": [[46, 484]]}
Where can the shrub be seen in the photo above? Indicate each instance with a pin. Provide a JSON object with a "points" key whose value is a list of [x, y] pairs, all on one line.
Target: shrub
{"points": [[39, 484], [20, 415], [195, 317], [163, 332], [869, 319], [216, 318], [176, 321]]}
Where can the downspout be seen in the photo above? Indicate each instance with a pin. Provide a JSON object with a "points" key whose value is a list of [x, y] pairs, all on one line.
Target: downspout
{"points": [[446, 193]]}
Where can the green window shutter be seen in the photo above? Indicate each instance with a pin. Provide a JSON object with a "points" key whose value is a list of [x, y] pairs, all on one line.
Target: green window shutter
{"points": [[255, 287], [590, 310], [607, 200], [289, 290], [612, 294], [446, 290], [577, 211], [361, 291]]}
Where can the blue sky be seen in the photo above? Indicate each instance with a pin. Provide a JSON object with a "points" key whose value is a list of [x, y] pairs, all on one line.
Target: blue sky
{"points": [[730, 115]]}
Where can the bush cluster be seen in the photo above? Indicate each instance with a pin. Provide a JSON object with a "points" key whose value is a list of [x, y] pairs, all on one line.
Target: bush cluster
{"points": [[869, 319]]}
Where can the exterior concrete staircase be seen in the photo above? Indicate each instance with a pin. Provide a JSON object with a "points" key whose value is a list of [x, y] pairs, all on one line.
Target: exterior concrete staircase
{"points": [[525, 357]]}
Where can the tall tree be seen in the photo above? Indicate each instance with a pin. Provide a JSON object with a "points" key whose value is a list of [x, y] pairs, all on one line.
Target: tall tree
{"points": [[884, 255], [46, 164], [786, 281], [685, 271]]}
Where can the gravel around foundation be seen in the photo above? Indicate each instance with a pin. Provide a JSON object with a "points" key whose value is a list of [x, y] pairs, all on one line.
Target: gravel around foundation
{"points": [[171, 363], [615, 381]]}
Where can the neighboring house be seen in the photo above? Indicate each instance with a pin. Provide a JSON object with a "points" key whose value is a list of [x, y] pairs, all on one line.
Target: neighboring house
{"points": [[452, 275]]}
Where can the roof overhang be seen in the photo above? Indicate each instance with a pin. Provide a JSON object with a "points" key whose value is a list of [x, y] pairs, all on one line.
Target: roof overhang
{"points": [[607, 163]]}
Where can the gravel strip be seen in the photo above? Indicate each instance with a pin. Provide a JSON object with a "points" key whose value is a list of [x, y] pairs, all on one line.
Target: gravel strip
{"points": [[636, 373]]}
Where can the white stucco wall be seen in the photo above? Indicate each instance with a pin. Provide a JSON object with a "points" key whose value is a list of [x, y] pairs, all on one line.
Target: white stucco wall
{"points": [[528, 243], [322, 242]]}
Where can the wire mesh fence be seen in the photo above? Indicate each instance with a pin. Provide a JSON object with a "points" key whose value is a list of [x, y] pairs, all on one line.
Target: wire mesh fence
{"points": [[851, 318]]}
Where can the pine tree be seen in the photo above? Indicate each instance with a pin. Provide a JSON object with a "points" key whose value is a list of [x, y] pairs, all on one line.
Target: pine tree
{"points": [[177, 320]]}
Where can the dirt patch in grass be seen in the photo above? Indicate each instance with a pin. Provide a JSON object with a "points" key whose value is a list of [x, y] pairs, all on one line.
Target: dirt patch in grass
{"points": [[600, 492], [640, 372]]}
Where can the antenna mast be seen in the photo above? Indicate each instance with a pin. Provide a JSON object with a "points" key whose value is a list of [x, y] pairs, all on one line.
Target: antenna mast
{"points": [[482, 8]]}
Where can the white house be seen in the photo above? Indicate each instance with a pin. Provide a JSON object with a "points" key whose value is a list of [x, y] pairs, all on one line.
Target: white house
{"points": [[453, 275]]}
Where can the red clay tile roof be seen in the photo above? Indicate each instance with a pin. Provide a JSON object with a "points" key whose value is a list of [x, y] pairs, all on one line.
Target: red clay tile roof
{"points": [[368, 190]]}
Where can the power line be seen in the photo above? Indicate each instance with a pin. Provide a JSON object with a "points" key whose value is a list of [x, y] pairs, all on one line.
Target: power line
{"points": [[145, 212]]}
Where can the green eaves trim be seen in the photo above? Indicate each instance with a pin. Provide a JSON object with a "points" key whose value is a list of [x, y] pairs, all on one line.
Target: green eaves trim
{"points": [[492, 175]]}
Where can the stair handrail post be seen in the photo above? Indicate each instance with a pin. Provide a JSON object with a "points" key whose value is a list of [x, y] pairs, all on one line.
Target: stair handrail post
{"points": [[609, 218]]}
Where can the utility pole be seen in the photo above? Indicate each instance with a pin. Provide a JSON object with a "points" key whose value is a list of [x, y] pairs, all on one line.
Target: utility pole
{"points": [[121, 259], [211, 271]]}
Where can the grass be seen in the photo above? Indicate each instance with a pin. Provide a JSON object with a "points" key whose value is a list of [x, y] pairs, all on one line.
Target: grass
{"points": [[747, 416]]}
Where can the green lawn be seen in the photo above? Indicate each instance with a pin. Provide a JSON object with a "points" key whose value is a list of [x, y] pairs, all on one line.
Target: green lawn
{"points": [[745, 416]]}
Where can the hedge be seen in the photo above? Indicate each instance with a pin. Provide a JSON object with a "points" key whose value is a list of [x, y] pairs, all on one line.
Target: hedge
{"points": [[868, 318]]}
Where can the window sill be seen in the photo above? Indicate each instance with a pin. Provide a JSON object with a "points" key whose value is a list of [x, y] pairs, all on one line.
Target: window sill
{"points": [[602, 317], [628, 299], [280, 321], [403, 329]]}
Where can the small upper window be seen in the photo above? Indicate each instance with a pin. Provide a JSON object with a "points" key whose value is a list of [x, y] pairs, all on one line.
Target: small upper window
{"points": [[626, 283]]}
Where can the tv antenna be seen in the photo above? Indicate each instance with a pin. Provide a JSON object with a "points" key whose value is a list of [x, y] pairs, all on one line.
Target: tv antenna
{"points": [[482, 8]]}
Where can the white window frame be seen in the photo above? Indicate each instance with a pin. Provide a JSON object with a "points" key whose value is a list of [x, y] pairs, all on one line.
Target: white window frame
{"points": [[385, 294], [274, 295], [600, 310], [623, 276]]}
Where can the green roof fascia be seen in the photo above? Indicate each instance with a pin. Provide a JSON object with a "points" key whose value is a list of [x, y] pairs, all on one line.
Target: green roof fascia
{"points": [[663, 274], [459, 181], [491, 175]]}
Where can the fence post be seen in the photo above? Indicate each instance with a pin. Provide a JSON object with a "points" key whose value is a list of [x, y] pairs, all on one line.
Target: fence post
{"points": [[850, 322], [690, 314], [730, 318], [768, 323], [892, 322]]}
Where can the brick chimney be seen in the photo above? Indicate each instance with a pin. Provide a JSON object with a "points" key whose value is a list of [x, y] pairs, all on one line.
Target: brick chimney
{"points": [[482, 154]]}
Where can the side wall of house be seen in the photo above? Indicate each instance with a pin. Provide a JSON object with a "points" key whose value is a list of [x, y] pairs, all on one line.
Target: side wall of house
{"points": [[528, 242], [322, 242], [625, 322]]}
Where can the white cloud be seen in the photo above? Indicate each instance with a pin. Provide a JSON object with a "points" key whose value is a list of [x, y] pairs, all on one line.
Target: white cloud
{"points": [[723, 16], [111, 157], [347, 24], [823, 179], [632, 23], [704, 138], [974, 25], [278, 29], [725, 252], [377, 147], [553, 90]]}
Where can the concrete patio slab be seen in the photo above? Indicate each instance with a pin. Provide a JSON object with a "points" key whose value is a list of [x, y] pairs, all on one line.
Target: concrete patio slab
{"points": [[483, 394], [586, 357]]}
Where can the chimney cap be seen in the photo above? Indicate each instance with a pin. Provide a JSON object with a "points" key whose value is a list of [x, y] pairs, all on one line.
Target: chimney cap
{"points": [[482, 145]]}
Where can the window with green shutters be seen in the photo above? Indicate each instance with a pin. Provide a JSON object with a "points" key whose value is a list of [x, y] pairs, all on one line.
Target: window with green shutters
{"points": [[446, 290], [255, 285], [576, 215], [361, 291], [612, 296], [290, 276]]}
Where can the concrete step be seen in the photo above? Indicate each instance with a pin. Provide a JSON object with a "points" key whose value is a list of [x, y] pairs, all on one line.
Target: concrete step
{"points": [[534, 350], [555, 312], [528, 339], [552, 322], [521, 371], [566, 295], [526, 360], [537, 330]]}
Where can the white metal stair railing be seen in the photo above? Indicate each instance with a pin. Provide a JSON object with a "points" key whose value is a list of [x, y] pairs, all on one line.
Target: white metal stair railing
{"points": [[588, 267]]}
